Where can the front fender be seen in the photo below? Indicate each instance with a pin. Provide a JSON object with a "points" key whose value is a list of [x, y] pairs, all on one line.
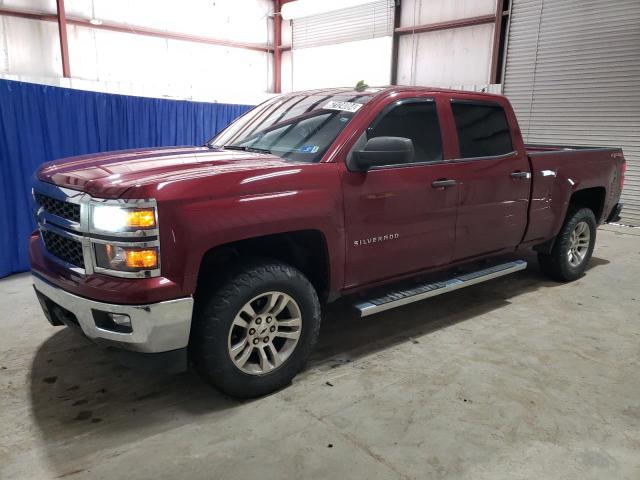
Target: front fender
{"points": [[310, 199]]}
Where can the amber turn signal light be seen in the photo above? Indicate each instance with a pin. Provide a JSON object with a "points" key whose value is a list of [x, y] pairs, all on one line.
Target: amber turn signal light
{"points": [[147, 258], [141, 218]]}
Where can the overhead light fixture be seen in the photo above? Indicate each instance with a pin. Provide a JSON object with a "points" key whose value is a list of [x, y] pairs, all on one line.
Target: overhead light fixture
{"points": [[94, 20]]}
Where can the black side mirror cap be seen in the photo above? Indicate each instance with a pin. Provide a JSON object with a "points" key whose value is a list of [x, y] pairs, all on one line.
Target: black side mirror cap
{"points": [[381, 151]]}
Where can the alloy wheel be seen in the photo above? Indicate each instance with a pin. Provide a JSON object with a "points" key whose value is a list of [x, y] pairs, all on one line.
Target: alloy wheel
{"points": [[579, 244], [264, 333]]}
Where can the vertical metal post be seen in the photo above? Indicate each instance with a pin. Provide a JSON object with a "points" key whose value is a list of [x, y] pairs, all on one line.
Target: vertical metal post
{"points": [[497, 33], [395, 40], [64, 45], [277, 47]]}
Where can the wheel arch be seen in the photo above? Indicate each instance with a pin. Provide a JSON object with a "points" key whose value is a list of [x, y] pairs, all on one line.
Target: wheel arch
{"points": [[306, 250], [592, 198]]}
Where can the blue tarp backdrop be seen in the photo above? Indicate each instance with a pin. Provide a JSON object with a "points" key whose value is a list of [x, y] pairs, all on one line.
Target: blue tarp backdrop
{"points": [[39, 123]]}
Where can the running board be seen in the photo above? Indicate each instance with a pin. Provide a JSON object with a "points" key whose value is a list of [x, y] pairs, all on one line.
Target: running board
{"points": [[427, 290]]}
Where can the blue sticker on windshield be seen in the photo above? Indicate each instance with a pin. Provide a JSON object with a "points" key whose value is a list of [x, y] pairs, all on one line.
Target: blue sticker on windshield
{"points": [[309, 148]]}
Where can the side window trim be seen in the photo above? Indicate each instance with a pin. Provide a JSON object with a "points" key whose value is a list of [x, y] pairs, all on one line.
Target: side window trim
{"points": [[448, 161], [490, 103], [501, 156]]}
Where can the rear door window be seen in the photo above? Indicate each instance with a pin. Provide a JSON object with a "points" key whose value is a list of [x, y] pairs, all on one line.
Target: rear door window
{"points": [[482, 128]]}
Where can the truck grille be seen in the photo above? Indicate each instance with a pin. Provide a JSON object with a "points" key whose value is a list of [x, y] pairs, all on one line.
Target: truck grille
{"points": [[65, 248], [70, 211]]}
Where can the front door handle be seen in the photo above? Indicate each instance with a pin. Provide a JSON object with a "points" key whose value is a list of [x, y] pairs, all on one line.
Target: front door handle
{"points": [[444, 183], [525, 175]]}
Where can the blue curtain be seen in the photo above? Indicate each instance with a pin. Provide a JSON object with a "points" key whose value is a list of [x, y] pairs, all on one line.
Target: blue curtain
{"points": [[39, 123]]}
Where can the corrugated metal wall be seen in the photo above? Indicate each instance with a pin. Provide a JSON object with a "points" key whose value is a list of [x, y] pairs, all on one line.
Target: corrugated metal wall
{"points": [[371, 20], [573, 75]]}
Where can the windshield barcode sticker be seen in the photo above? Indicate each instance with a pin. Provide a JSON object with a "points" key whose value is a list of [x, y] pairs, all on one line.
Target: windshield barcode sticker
{"points": [[343, 106]]}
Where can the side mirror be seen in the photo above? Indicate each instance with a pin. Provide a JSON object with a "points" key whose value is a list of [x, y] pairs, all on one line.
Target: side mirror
{"points": [[381, 151]]}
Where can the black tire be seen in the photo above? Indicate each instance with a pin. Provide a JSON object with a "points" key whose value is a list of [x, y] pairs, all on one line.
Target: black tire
{"points": [[556, 264], [216, 310]]}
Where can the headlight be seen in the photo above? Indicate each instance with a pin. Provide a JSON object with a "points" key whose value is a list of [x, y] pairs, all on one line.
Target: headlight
{"points": [[126, 259], [125, 238], [113, 218]]}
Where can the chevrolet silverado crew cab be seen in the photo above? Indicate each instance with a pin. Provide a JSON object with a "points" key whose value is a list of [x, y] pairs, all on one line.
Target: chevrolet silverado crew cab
{"points": [[221, 255]]}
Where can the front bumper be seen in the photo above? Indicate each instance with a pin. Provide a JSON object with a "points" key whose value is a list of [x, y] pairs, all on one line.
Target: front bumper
{"points": [[155, 327]]}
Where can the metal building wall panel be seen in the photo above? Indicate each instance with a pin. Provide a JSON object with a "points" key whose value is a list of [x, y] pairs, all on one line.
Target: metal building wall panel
{"points": [[572, 72], [446, 57], [421, 12], [362, 22]]}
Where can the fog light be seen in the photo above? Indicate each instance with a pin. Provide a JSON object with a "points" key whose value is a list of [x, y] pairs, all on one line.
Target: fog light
{"points": [[112, 322], [121, 319]]}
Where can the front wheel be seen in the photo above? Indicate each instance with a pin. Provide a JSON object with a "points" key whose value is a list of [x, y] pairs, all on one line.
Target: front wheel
{"points": [[573, 247], [254, 334]]}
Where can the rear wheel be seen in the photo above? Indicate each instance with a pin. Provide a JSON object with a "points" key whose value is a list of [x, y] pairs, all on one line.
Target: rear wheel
{"points": [[254, 333], [573, 247]]}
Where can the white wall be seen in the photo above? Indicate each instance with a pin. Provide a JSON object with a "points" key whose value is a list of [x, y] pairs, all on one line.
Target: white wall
{"points": [[343, 64], [127, 63], [355, 56], [447, 57], [141, 65], [30, 47], [286, 83]]}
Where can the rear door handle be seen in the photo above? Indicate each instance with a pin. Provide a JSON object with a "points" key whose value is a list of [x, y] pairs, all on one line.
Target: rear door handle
{"points": [[525, 175], [445, 183]]}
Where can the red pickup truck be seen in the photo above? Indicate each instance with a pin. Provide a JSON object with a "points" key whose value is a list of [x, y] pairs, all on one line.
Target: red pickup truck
{"points": [[222, 255]]}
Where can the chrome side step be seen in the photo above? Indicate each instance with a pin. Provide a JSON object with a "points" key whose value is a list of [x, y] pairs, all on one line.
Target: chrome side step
{"points": [[427, 290]]}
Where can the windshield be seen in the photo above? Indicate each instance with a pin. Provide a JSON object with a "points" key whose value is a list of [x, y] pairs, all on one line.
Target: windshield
{"points": [[296, 127]]}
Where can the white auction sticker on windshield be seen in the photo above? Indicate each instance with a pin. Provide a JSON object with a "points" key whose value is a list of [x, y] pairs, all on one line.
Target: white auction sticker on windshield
{"points": [[343, 106]]}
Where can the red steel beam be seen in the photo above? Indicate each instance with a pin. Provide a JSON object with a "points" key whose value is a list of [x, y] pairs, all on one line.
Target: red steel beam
{"points": [[434, 27], [64, 45], [150, 32], [277, 47], [28, 15], [395, 43], [497, 33]]}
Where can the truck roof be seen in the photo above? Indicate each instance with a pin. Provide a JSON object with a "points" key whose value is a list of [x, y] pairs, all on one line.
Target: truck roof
{"points": [[387, 89]]}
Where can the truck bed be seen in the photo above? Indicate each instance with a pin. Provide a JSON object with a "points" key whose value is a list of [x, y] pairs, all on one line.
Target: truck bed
{"points": [[557, 172]]}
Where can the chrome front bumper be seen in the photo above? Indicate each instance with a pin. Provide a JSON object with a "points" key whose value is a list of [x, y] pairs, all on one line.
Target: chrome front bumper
{"points": [[156, 327]]}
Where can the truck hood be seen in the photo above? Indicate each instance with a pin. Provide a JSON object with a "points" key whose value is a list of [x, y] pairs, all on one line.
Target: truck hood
{"points": [[111, 174]]}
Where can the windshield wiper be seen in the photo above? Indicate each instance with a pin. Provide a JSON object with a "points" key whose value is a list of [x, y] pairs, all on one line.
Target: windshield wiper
{"points": [[246, 149]]}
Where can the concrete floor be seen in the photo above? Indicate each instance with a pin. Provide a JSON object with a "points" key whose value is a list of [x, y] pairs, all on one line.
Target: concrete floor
{"points": [[516, 378]]}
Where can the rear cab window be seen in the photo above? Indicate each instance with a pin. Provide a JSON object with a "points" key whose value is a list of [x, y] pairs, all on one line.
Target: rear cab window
{"points": [[483, 130]]}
